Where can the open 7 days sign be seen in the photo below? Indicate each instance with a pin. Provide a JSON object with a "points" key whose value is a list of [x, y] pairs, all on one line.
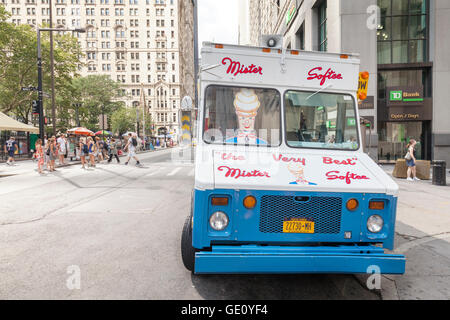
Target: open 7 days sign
{"points": [[405, 95]]}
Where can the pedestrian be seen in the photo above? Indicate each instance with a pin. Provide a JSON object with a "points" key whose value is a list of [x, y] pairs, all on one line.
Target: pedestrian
{"points": [[62, 148], [92, 150], [46, 154], [113, 150], [99, 149], [10, 148], [39, 152], [52, 153], [131, 147], [84, 151], [411, 161]]}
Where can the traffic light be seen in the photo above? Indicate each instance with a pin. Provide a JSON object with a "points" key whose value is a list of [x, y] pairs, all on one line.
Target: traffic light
{"points": [[35, 107]]}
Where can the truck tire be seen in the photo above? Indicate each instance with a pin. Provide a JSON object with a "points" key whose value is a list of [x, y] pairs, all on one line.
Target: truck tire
{"points": [[187, 250]]}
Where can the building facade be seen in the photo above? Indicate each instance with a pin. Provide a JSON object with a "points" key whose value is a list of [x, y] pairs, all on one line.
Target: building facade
{"points": [[135, 42], [262, 16], [404, 46], [186, 48]]}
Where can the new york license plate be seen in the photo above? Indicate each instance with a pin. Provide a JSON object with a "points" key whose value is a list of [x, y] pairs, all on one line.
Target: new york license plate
{"points": [[298, 226]]}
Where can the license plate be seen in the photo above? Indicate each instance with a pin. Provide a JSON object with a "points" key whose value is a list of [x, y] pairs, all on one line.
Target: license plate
{"points": [[298, 226]]}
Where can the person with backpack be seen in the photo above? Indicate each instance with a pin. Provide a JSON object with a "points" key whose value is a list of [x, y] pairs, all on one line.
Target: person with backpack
{"points": [[113, 150], [10, 148], [131, 147]]}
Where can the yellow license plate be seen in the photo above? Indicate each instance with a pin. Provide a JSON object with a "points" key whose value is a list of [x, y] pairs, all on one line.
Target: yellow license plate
{"points": [[298, 226]]}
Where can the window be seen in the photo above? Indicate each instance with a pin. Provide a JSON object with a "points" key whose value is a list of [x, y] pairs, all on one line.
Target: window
{"points": [[321, 120], [323, 40], [403, 31], [242, 116]]}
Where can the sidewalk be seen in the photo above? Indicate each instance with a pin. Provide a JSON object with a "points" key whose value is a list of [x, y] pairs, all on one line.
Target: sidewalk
{"points": [[423, 236]]}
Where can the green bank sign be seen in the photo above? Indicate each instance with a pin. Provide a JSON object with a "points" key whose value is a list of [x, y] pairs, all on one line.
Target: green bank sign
{"points": [[405, 95]]}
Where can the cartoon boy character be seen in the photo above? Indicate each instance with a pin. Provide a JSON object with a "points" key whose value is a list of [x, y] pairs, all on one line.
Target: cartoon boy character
{"points": [[246, 104], [298, 172]]}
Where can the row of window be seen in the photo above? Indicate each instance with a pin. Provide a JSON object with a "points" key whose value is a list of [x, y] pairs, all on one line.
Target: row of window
{"points": [[403, 31], [131, 2]]}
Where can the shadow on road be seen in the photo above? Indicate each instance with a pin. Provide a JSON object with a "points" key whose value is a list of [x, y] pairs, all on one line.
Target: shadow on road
{"points": [[281, 287]]}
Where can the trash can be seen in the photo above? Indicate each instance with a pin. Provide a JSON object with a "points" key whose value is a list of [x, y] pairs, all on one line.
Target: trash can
{"points": [[439, 174]]}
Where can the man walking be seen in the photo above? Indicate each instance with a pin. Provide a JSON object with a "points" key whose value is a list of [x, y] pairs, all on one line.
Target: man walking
{"points": [[10, 148], [131, 147]]}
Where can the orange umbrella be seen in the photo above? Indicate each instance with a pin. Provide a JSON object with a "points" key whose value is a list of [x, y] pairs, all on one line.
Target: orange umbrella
{"points": [[80, 131]]}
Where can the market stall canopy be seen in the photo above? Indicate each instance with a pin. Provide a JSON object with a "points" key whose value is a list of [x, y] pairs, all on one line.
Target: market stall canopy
{"points": [[9, 124], [104, 132], [80, 131]]}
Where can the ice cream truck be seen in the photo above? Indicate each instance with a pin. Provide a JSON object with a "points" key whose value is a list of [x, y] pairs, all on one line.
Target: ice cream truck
{"points": [[282, 184]]}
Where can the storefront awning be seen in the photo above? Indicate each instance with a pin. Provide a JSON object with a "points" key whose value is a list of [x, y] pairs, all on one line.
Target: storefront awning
{"points": [[9, 124]]}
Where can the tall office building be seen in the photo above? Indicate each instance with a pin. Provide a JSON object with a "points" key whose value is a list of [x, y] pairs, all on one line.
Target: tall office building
{"points": [[135, 42], [404, 46]]}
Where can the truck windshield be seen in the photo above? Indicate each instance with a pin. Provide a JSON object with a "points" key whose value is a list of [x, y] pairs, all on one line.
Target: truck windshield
{"points": [[321, 120], [242, 116]]}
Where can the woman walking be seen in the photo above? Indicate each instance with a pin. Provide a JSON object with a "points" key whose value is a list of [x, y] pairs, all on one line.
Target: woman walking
{"points": [[39, 155], [84, 151], [91, 148], [411, 161]]}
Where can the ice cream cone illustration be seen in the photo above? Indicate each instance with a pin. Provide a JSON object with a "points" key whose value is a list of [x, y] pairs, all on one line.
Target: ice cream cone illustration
{"points": [[246, 104], [297, 170]]}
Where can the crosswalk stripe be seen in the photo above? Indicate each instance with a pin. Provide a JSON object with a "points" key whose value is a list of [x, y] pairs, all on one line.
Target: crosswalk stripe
{"points": [[174, 172]]}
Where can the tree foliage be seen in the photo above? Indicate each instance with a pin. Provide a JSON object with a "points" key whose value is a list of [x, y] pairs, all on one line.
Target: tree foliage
{"points": [[97, 95], [18, 67]]}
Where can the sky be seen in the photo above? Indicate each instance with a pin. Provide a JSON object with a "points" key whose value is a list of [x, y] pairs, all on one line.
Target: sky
{"points": [[218, 21]]}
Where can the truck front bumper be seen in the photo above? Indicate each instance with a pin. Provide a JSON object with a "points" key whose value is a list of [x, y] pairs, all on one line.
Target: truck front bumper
{"points": [[286, 259]]}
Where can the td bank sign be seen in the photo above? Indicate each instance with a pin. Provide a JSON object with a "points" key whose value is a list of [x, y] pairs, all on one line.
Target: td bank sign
{"points": [[404, 95]]}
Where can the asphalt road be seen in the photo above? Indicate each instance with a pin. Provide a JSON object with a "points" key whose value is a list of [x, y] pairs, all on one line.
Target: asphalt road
{"points": [[114, 232]]}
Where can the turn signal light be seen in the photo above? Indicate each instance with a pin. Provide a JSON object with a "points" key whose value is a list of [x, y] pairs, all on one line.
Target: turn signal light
{"points": [[295, 52], [344, 56], [219, 46], [250, 202], [219, 201], [376, 205], [266, 50], [365, 75], [362, 96], [352, 204]]}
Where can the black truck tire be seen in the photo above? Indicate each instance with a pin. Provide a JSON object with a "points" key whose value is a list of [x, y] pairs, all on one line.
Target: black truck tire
{"points": [[187, 250]]}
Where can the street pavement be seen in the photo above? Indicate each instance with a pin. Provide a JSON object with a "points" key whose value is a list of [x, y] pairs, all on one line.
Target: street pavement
{"points": [[119, 227]]}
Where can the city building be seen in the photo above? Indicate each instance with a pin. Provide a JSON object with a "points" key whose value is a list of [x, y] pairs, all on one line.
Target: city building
{"points": [[135, 42], [262, 16], [186, 48], [404, 46]]}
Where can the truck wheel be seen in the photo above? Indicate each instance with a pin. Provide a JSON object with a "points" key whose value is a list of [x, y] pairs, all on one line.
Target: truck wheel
{"points": [[187, 251]]}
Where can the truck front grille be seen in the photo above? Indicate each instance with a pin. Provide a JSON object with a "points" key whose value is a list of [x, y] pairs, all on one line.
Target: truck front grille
{"points": [[324, 211]]}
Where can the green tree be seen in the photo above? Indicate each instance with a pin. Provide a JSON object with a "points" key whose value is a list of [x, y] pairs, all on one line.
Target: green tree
{"points": [[123, 120], [18, 56], [97, 94]]}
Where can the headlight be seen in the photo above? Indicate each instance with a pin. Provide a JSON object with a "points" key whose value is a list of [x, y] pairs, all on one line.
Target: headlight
{"points": [[375, 223], [218, 221]]}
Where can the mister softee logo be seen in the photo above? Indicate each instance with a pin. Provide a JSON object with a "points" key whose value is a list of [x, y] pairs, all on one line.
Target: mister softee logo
{"points": [[235, 67], [323, 77]]}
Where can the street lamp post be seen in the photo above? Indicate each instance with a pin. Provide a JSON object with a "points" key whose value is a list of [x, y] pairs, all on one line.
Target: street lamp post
{"points": [[39, 66]]}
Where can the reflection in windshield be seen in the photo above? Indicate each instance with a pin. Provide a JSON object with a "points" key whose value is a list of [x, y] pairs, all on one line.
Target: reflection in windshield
{"points": [[322, 120], [242, 116]]}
